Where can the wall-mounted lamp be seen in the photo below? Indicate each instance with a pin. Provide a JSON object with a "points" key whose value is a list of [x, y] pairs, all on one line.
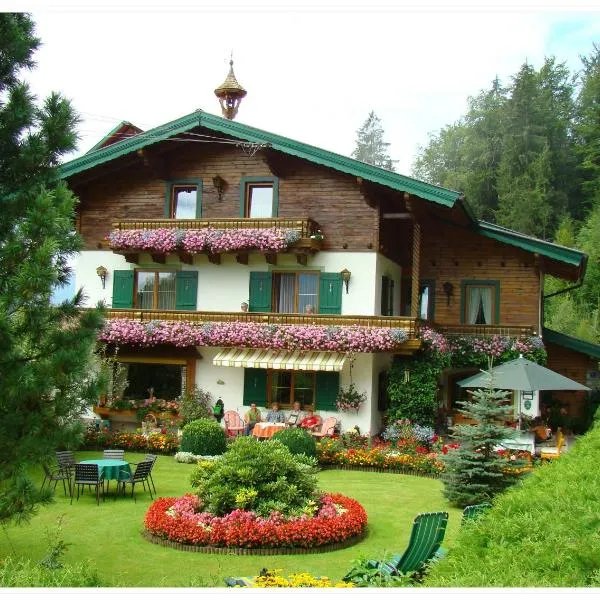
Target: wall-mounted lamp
{"points": [[220, 185], [346, 277], [448, 290], [102, 272]]}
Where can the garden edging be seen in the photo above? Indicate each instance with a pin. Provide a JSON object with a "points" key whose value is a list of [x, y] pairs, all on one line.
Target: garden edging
{"points": [[155, 539]]}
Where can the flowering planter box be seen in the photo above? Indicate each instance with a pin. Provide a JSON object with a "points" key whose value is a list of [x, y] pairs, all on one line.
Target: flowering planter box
{"points": [[104, 411]]}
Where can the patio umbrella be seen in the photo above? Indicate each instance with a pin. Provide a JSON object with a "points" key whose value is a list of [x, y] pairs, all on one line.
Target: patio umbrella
{"points": [[525, 375]]}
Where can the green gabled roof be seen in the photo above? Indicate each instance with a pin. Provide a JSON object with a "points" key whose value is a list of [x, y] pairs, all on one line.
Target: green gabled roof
{"points": [[531, 244], [199, 118], [570, 342]]}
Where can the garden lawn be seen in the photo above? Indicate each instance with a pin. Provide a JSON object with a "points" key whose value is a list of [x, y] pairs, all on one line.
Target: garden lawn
{"points": [[109, 535]]}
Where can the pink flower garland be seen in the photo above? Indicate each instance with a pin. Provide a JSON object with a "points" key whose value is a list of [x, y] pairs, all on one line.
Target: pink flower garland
{"points": [[352, 338], [200, 240]]}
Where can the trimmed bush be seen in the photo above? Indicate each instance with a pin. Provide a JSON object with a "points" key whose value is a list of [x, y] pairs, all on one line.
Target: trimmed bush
{"points": [[24, 573], [204, 437], [297, 440], [543, 532], [258, 476]]}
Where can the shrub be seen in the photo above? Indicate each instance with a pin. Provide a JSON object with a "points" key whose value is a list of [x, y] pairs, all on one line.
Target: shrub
{"points": [[203, 436], [543, 532], [195, 405], [24, 573], [261, 476], [297, 440]]}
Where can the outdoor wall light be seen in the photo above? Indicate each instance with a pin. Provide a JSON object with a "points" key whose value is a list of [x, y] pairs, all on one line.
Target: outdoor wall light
{"points": [[448, 290], [220, 185], [346, 277], [102, 272]]}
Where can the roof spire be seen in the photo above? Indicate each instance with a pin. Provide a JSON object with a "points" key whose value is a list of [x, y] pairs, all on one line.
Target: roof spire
{"points": [[230, 93]]}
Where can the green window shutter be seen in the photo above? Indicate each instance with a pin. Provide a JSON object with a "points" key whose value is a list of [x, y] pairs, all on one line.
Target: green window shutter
{"points": [[330, 294], [186, 290], [327, 386], [260, 291], [255, 387], [122, 289]]}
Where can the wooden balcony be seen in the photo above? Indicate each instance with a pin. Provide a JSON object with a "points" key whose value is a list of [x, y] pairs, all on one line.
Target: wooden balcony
{"points": [[408, 324], [310, 242], [485, 331]]}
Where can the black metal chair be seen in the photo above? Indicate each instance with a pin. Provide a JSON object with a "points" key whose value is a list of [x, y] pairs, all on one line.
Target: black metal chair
{"points": [[142, 472], [115, 454], [89, 475], [66, 460], [56, 474], [152, 458]]}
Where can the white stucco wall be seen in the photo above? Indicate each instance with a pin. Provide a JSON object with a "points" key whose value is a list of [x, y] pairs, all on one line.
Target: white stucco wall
{"points": [[224, 287], [387, 267]]}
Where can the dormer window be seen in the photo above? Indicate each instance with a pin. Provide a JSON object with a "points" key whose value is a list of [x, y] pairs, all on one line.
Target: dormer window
{"points": [[259, 197]]}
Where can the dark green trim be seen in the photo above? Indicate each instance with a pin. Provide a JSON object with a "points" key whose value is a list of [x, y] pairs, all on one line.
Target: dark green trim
{"points": [[463, 301], [531, 244], [171, 182], [267, 179], [343, 164], [570, 342]]}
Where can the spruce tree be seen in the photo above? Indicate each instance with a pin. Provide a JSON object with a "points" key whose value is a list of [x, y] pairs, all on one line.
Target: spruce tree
{"points": [[474, 470], [370, 147], [45, 350]]}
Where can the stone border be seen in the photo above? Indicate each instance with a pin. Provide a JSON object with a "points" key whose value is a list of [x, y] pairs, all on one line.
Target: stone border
{"points": [[155, 539], [333, 467]]}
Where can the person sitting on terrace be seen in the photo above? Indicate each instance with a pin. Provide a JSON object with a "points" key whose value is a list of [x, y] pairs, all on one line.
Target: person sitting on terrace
{"points": [[541, 431], [295, 417], [275, 415], [251, 418], [310, 421]]}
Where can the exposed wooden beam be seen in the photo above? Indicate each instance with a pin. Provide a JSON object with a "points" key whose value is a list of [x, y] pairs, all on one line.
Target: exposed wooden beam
{"points": [[132, 258], [302, 259], [271, 258], [276, 165], [404, 215], [242, 259], [159, 258], [215, 259], [186, 257]]}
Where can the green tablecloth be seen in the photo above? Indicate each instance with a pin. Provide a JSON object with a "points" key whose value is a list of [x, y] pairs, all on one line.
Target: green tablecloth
{"points": [[111, 468]]}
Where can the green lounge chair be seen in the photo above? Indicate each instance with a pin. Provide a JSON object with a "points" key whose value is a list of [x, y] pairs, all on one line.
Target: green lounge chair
{"points": [[426, 536], [474, 510]]}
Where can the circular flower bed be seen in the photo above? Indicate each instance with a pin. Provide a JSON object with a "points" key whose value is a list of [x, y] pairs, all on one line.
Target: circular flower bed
{"points": [[336, 519]]}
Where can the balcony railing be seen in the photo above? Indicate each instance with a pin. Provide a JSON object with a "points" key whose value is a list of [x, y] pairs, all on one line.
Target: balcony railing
{"points": [[307, 227], [409, 324], [484, 331]]}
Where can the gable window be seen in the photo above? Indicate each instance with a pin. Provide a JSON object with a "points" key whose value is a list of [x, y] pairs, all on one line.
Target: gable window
{"points": [[426, 299], [183, 199], [287, 387], [155, 289], [480, 300], [259, 197], [295, 292]]}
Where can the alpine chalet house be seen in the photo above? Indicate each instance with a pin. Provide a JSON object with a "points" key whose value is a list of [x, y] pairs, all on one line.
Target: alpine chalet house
{"points": [[263, 269]]}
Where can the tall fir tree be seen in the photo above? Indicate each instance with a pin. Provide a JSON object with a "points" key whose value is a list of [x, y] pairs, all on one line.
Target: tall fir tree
{"points": [[475, 471], [45, 350], [370, 146]]}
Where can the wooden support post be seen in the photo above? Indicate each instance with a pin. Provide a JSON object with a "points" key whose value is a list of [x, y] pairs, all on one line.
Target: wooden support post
{"points": [[416, 263]]}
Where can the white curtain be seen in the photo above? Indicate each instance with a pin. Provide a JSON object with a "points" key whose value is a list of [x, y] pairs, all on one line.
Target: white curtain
{"points": [[474, 304], [486, 302], [287, 285]]}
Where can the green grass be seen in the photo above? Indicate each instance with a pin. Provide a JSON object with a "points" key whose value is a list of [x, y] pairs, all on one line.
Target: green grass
{"points": [[109, 535]]}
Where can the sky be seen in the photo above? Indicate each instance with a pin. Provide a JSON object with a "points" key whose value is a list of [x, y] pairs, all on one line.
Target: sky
{"points": [[313, 70]]}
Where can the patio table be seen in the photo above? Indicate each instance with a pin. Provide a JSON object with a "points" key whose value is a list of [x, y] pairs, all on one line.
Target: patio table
{"points": [[111, 468], [265, 431], [523, 441]]}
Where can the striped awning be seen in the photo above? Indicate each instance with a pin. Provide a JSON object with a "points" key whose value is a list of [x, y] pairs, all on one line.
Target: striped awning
{"points": [[289, 360]]}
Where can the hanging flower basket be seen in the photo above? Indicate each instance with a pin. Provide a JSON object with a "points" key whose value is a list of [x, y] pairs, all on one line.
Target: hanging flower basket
{"points": [[349, 399]]}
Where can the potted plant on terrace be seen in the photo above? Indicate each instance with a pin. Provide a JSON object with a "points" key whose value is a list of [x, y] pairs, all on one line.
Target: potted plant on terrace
{"points": [[349, 398]]}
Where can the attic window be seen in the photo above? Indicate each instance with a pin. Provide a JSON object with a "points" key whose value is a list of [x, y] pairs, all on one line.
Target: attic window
{"points": [[184, 201], [259, 200]]}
